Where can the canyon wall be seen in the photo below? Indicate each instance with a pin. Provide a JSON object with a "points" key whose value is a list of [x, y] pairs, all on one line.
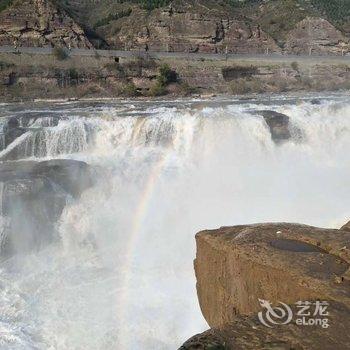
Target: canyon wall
{"points": [[40, 23], [180, 26]]}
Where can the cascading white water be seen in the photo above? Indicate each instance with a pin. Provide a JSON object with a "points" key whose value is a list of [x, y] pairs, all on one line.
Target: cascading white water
{"points": [[121, 276]]}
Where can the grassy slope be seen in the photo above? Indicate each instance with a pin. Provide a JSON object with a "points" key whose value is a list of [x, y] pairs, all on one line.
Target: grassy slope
{"points": [[4, 4], [278, 17]]}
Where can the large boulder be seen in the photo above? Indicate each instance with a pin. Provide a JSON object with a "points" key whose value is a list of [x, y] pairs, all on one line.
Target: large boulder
{"points": [[32, 198], [244, 269], [237, 266], [278, 124], [11, 131]]}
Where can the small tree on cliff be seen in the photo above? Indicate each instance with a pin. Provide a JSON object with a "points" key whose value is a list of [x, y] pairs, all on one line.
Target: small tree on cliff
{"points": [[60, 53], [166, 75]]}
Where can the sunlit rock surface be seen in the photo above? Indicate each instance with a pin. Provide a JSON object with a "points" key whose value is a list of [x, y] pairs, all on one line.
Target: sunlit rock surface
{"points": [[40, 23], [316, 36], [239, 267]]}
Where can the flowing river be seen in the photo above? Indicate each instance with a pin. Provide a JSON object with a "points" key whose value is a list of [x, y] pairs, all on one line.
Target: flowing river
{"points": [[119, 273]]}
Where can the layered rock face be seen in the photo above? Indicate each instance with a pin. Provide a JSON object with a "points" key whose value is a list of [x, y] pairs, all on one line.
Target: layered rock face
{"points": [[40, 23], [346, 227], [316, 36], [195, 26], [239, 268], [187, 28]]}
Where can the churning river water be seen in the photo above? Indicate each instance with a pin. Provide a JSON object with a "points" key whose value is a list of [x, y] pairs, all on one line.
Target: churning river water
{"points": [[120, 273]]}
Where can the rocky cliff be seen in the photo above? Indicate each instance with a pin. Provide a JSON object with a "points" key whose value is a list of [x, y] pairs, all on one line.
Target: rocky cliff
{"points": [[292, 26], [39, 23], [316, 36], [182, 27], [248, 26], [239, 268]]}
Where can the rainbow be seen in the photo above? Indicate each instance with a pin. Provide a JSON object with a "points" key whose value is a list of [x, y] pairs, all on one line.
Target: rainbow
{"points": [[139, 218]]}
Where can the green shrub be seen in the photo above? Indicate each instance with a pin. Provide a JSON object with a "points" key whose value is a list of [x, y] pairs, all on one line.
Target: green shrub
{"points": [[73, 74], [5, 65], [244, 86], [336, 10], [166, 75], [295, 66], [4, 4], [153, 4], [60, 53], [130, 90], [112, 17], [157, 89], [186, 89]]}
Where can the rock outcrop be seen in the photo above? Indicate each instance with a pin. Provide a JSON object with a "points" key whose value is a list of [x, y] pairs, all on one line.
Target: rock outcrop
{"points": [[346, 227], [239, 268], [316, 36], [182, 26], [278, 124], [247, 333], [32, 198], [187, 28], [39, 23], [11, 131]]}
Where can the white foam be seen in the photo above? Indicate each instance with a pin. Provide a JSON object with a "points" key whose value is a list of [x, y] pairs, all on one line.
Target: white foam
{"points": [[219, 167]]}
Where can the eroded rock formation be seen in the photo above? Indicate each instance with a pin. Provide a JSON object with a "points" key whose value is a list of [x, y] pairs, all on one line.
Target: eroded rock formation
{"points": [[184, 27], [346, 227], [39, 23], [316, 36], [237, 266], [278, 124]]}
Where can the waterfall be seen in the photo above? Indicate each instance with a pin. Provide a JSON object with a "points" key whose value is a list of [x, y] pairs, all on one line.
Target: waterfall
{"points": [[2, 219], [121, 275], [43, 140]]}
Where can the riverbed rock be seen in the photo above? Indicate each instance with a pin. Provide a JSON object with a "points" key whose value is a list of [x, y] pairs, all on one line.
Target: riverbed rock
{"points": [[11, 131], [278, 124], [32, 198]]}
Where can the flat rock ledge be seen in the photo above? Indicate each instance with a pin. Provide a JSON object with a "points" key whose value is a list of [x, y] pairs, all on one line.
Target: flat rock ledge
{"points": [[238, 268]]}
